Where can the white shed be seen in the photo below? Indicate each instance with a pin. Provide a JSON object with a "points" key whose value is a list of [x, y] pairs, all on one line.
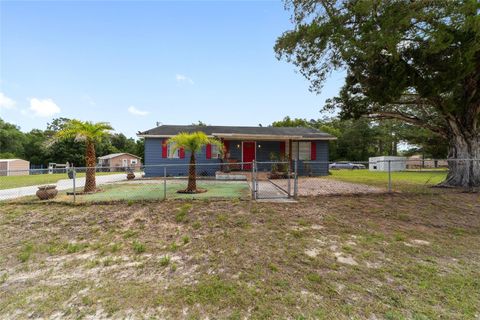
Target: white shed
{"points": [[382, 163], [14, 167]]}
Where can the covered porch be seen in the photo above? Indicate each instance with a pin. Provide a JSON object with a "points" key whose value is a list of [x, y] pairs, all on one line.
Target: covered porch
{"points": [[241, 150]]}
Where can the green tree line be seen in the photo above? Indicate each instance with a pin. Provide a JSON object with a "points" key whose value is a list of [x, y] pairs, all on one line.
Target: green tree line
{"points": [[359, 139], [39, 147]]}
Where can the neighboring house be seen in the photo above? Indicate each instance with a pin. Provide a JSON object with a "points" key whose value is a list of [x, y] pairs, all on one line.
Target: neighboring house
{"points": [[417, 161], [14, 167], [120, 161], [241, 144]]}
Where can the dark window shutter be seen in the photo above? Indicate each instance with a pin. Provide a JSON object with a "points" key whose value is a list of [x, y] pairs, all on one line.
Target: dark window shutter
{"points": [[182, 153], [164, 148], [209, 151], [313, 151]]}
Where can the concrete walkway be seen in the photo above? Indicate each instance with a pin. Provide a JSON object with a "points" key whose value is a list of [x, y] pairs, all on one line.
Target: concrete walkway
{"points": [[268, 190], [63, 184]]}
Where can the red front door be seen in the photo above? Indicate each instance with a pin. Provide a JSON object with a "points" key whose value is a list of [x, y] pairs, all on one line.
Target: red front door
{"points": [[248, 154]]}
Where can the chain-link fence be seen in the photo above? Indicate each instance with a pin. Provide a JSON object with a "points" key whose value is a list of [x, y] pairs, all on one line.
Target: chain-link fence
{"points": [[157, 182], [381, 175], [256, 180], [272, 179]]}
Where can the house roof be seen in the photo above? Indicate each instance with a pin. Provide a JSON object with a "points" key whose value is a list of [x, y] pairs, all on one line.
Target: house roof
{"points": [[10, 160], [114, 155], [300, 133]]}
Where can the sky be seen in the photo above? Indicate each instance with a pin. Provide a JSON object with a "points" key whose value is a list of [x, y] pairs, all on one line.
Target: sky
{"points": [[136, 63]]}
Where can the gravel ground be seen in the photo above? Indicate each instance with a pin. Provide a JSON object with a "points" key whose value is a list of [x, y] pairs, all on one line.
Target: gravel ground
{"points": [[321, 186]]}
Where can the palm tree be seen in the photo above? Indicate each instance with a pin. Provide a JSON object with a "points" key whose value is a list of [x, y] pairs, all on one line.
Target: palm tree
{"points": [[89, 132], [193, 142]]}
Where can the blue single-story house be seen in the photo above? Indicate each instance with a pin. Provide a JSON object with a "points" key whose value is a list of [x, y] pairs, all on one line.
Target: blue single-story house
{"points": [[241, 144]]}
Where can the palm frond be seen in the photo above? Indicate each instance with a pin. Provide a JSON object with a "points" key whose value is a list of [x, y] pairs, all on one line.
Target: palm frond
{"points": [[193, 142], [84, 130]]}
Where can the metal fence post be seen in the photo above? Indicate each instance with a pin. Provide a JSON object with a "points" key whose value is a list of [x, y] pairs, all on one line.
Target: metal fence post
{"points": [[256, 179], [289, 172], [254, 183], [389, 175], [164, 183], [74, 185], [295, 180]]}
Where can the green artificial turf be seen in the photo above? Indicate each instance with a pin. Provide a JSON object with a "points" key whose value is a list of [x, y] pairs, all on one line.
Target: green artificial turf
{"points": [[149, 191]]}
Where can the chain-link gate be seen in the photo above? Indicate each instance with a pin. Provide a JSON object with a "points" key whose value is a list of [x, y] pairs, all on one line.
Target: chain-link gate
{"points": [[272, 180]]}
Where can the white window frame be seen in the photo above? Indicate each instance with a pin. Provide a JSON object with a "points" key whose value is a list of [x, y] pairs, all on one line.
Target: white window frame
{"points": [[215, 152], [172, 154], [133, 161], [302, 150]]}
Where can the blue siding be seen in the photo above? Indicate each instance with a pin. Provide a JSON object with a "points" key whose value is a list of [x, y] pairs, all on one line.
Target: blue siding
{"points": [[263, 149], [264, 152], [154, 161], [317, 167], [235, 149]]}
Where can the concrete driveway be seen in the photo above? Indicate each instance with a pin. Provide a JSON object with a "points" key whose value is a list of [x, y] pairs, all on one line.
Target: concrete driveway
{"points": [[63, 184]]}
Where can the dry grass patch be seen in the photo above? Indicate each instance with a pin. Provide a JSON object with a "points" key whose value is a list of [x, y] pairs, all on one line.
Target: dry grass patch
{"points": [[394, 257]]}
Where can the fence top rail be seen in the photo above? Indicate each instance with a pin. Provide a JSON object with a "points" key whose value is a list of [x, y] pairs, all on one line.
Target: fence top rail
{"points": [[216, 164], [386, 161], [271, 162]]}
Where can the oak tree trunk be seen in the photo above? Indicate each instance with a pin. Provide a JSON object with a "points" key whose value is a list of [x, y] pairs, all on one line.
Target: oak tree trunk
{"points": [[90, 184], [192, 180], [464, 163]]}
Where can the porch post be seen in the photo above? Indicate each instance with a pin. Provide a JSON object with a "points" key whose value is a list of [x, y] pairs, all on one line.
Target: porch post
{"points": [[295, 181], [290, 151], [254, 181]]}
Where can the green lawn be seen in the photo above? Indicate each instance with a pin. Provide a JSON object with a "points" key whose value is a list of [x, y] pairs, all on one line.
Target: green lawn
{"points": [[36, 179], [149, 191], [405, 180]]}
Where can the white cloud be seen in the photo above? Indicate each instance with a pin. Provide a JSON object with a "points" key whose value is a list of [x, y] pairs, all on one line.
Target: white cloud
{"points": [[183, 78], [137, 112], [43, 107], [6, 102]]}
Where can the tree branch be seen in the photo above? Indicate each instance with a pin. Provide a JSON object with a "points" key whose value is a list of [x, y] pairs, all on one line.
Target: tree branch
{"points": [[409, 119]]}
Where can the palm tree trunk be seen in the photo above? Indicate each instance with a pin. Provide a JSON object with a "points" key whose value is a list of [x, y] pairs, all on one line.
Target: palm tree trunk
{"points": [[90, 184], [192, 180]]}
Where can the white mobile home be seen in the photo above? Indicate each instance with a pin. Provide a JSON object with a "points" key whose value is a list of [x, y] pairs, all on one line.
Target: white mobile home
{"points": [[382, 163]]}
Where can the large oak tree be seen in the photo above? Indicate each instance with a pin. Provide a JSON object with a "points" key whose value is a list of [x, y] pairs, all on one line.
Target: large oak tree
{"points": [[416, 61]]}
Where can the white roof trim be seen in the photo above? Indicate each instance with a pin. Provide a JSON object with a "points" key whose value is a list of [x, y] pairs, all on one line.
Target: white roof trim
{"points": [[10, 160], [116, 155]]}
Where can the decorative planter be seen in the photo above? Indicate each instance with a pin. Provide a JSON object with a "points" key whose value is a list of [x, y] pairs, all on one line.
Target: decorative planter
{"points": [[47, 192], [130, 176]]}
